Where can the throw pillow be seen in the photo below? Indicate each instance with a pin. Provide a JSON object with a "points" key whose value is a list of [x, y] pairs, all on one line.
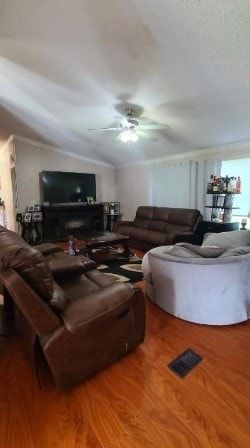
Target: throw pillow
{"points": [[180, 251], [235, 238], [205, 252]]}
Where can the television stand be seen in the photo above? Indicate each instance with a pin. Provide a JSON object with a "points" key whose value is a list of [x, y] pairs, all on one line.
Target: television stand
{"points": [[60, 221]]}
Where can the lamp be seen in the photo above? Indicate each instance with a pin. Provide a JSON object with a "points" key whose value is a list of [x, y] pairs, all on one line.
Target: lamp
{"points": [[244, 221], [129, 137]]}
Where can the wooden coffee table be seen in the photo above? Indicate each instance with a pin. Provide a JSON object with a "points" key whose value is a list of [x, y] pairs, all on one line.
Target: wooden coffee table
{"points": [[87, 242]]}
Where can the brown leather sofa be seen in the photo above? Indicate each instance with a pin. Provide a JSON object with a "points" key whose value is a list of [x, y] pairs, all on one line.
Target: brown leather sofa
{"points": [[81, 322], [160, 226]]}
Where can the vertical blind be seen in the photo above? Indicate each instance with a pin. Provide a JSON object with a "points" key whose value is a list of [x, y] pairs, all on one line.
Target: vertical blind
{"points": [[183, 184]]}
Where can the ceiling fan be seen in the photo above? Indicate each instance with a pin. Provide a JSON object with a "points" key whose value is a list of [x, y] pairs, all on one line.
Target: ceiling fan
{"points": [[130, 128]]}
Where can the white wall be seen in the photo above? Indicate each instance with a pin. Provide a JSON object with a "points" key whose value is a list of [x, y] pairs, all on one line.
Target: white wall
{"points": [[34, 157], [6, 187], [134, 188]]}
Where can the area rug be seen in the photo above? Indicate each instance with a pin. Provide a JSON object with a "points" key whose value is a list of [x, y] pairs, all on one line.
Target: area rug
{"points": [[123, 270]]}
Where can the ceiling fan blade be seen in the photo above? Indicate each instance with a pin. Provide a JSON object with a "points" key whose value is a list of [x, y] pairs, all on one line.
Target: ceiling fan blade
{"points": [[104, 129], [152, 127]]}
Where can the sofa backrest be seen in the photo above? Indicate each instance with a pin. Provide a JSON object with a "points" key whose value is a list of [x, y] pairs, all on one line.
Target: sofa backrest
{"points": [[183, 219], [167, 219], [17, 254]]}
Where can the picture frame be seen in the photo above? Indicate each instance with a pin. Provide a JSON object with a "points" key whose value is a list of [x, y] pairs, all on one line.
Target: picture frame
{"points": [[90, 200], [26, 217], [220, 201], [105, 207], [30, 208], [37, 216], [37, 208], [114, 208]]}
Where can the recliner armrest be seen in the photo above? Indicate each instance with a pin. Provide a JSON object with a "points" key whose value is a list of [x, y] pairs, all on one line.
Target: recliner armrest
{"points": [[38, 313], [113, 299], [48, 248], [71, 265]]}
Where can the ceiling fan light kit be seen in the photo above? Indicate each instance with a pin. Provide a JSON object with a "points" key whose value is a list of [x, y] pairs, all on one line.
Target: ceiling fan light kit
{"points": [[129, 137]]}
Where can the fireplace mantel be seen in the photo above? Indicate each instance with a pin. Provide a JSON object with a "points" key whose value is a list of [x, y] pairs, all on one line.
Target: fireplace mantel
{"points": [[59, 221]]}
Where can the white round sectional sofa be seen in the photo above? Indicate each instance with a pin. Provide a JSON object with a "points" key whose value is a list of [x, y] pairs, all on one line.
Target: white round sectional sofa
{"points": [[208, 284]]}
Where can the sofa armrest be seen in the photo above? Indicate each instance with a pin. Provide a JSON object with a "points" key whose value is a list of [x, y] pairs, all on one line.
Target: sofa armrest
{"points": [[113, 299], [71, 265], [127, 223], [123, 223]]}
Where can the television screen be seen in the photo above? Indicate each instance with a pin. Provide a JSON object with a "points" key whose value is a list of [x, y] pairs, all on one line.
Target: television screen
{"points": [[65, 187]]}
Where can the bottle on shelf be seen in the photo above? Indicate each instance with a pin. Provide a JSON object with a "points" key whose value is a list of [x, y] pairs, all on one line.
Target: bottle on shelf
{"points": [[238, 185], [214, 185], [225, 184], [234, 184], [230, 185]]}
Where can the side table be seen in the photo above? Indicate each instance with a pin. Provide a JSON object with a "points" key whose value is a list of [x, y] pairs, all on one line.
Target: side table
{"points": [[112, 219]]}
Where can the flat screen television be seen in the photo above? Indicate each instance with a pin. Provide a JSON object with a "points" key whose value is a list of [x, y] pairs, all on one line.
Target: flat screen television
{"points": [[66, 187]]}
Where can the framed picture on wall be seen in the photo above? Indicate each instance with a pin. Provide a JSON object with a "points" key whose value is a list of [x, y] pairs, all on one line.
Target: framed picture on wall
{"points": [[114, 208]]}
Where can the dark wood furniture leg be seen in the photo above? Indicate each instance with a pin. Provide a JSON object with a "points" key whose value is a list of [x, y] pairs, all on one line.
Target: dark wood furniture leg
{"points": [[7, 319], [126, 252]]}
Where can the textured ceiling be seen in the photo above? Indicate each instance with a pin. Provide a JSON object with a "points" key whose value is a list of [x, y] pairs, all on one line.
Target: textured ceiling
{"points": [[67, 66]]}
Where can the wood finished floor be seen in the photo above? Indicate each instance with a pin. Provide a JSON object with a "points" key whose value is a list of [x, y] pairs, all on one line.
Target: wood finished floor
{"points": [[137, 402]]}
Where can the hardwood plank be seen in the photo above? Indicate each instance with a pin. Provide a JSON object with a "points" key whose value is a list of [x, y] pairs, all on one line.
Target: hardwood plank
{"points": [[137, 402]]}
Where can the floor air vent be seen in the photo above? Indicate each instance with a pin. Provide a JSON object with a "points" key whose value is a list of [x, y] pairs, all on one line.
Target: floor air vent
{"points": [[185, 362]]}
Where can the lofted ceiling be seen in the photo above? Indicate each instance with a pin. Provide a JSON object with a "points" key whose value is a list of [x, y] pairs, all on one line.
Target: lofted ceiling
{"points": [[68, 66]]}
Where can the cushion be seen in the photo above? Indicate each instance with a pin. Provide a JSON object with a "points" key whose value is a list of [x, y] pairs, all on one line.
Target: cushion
{"points": [[31, 265], [180, 251], [236, 251], [59, 299], [235, 238], [145, 212], [205, 252]]}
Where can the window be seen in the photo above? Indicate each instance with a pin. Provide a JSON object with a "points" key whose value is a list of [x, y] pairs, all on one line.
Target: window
{"points": [[235, 168]]}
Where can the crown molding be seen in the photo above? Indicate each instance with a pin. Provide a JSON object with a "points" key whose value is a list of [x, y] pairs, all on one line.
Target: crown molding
{"points": [[58, 150], [230, 151]]}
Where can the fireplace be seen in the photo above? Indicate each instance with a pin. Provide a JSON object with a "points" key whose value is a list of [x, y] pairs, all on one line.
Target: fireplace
{"points": [[61, 221]]}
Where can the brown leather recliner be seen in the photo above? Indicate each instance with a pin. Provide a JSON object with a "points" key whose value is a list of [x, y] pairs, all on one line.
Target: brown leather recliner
{"points": [[83, 321]]}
